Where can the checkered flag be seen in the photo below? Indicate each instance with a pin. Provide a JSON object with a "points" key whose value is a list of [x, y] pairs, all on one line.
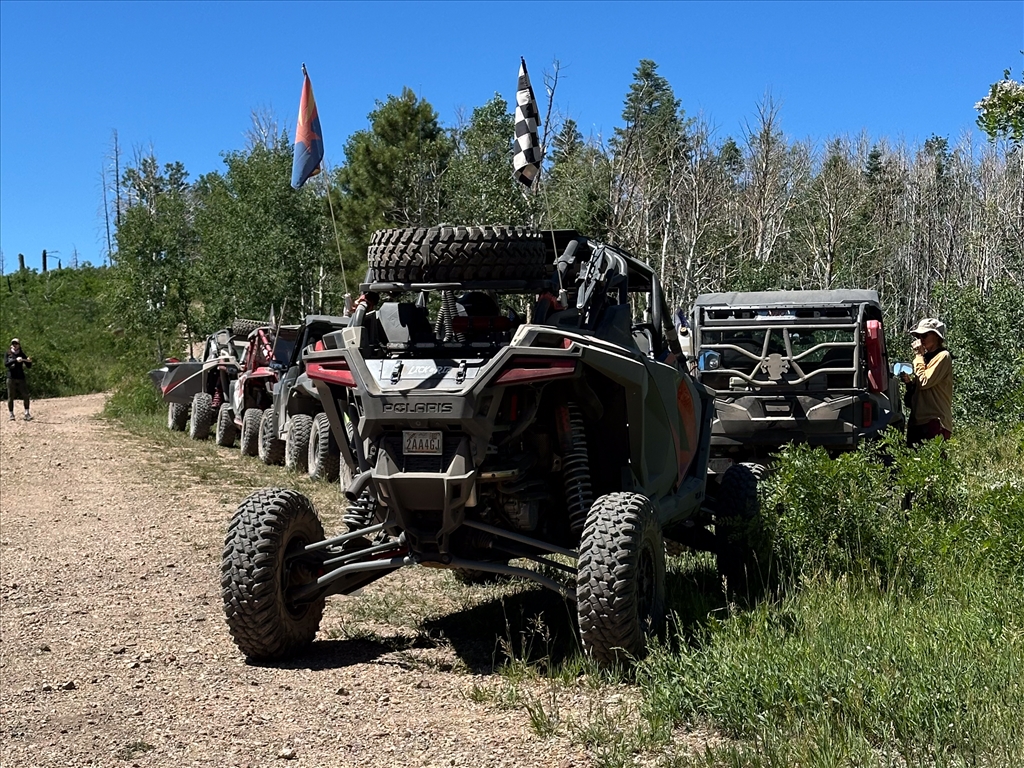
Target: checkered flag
{"points": [[528, 153]]}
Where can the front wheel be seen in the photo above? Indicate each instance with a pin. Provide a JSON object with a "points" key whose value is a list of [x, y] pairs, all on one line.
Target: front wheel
{"points": [[296, 445], [202, 416], [226, 431], [620, 586], [736, 511], [271, 446], [250, 441], [259, 570], [324, 458], [177, 416]]}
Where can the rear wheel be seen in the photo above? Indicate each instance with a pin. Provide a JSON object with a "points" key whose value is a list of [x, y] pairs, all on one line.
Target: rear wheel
{"points": [[259, 572], [296, 445], [226, 430], [737, 508], [177, 416], [443, 254], [323, 458], [271, 447], [620, 588], [202, 416], [250, 441]]}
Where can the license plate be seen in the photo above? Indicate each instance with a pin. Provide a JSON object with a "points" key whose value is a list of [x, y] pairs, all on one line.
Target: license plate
{"points": [[719, 466], [422, 443]]}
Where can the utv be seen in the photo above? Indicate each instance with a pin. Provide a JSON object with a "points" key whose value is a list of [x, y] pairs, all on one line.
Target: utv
{"points": [[793, 366], [296, 415], [195, 390], [518, 398], [250, 393]]}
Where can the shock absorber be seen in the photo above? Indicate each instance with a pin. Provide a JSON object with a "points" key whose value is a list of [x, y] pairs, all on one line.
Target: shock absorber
{"points": [[359, 513], [218, 398], [448, 311], [579, 495]]}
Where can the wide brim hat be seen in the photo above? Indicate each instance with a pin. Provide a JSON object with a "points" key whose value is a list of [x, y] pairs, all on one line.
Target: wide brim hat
{"points": [[930, 325]]}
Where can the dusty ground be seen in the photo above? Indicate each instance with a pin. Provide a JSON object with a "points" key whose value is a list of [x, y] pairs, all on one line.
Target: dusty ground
{"points": [[114, 651]]}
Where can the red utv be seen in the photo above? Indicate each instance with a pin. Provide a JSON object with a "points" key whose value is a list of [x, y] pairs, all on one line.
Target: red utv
{"points": [[195, 390], [252, 392]]}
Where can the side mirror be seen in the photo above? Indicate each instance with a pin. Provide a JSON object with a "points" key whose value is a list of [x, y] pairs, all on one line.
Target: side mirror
{"points": [[901, 368], [709, 360]]}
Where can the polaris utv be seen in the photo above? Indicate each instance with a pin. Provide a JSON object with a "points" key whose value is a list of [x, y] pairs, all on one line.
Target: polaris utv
{"points": [[250, 393], [195, 390], [518, 398], [793, 366], [296, 414]]}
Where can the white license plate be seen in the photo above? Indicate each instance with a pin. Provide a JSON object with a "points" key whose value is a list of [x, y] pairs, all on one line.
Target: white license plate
{"points": [[422, 443], [719, 466]]}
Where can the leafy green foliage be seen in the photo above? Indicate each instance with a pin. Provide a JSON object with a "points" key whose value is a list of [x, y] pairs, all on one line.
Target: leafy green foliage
{"points": [[576, 191], [262, 242], [898, 636], [392, 174], [1001, 112], [478, 186], [988, 357], [153, 280], [61, 319], [134, 396]]}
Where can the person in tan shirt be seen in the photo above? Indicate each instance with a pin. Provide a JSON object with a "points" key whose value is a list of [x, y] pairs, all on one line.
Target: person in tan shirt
{"points": [[930, 387]]}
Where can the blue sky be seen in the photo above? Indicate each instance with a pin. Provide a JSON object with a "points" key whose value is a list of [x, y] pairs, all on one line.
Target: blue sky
{"points": [[183, 77]]}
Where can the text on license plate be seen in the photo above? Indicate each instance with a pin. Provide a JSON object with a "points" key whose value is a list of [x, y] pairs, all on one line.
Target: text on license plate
{"points": [[428, 443]]}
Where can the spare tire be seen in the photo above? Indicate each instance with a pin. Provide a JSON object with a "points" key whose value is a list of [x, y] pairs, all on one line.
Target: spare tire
{"points": [[456, 254], [245, 327]]}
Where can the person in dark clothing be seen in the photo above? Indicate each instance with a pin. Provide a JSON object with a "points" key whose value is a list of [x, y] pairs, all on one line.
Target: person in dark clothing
{"points": [[16, 361]]}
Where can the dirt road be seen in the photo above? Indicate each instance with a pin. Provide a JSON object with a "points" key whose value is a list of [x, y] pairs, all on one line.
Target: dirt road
{"points": [[114, 651]]}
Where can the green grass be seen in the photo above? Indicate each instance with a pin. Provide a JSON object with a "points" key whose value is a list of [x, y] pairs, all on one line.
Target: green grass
{"points": [[894, 634]]}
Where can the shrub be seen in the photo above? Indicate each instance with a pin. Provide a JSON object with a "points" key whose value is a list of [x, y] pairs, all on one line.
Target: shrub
{"points": [[135, 395]]}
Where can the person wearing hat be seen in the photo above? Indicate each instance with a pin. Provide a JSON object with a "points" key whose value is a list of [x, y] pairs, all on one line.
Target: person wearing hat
{"points": [[16, 362], [930, 387]]}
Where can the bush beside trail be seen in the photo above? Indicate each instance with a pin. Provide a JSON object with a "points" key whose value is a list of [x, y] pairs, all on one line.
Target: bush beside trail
{"points": [[60, 317], [895, 629]]}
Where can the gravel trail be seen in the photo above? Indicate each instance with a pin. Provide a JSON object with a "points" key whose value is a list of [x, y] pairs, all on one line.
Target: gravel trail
{"points": [[113, 649]]}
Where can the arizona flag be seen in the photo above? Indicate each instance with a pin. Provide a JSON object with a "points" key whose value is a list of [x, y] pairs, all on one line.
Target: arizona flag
{"points": [[309, 143]]}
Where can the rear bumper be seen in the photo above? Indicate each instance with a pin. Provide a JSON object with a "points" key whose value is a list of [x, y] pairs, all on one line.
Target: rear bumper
{"points": [[427, 506], [841, 420]]}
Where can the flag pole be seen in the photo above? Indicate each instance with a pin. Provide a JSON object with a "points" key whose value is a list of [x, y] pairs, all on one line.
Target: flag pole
{"points": [[334, 222], [337, 239]]}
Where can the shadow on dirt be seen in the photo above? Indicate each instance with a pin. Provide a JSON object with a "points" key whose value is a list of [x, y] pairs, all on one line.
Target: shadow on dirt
{"points": [[534, 626], [347, 652]]}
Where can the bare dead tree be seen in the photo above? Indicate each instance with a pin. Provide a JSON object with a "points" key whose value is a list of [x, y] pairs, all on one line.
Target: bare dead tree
{"points": [[775, 173], [264, 128]]}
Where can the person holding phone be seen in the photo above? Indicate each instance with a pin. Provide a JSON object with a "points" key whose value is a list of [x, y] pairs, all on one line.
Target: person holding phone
{"points": [[930, 386], [16, 361]]}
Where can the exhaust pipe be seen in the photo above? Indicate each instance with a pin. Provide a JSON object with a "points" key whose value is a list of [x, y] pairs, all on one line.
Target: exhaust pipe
{"points": [[354, 490]]}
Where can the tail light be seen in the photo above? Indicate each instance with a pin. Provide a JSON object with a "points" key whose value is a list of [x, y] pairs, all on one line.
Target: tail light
{"points": [[869, 413], [529, 369], [334, 372]]}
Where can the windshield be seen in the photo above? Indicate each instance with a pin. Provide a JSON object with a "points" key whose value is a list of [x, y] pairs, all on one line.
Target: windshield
{"points": [[283, 350]]}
